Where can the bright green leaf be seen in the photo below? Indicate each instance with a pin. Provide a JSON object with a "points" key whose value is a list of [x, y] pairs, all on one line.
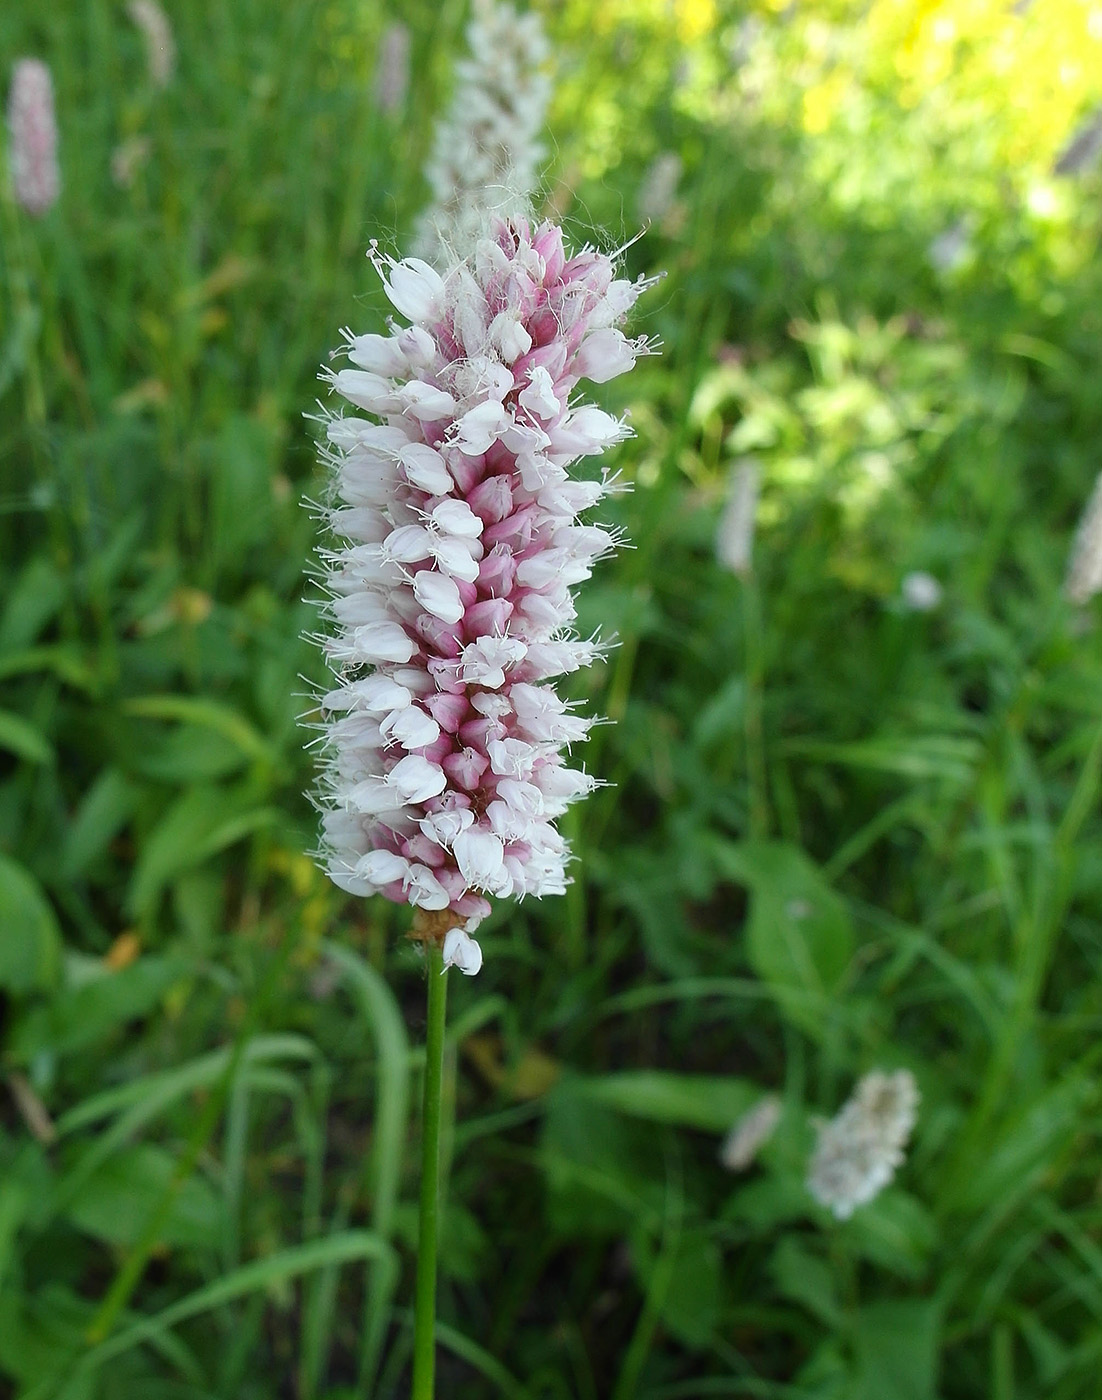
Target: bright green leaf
{"points": [[188, 754], [196, 826], [117, 1200], [918, 756], [60, 660], [690, 1306], [709, 1103], [805, 1278], [799, 935], [81, 1015], [30, 941], [897, 1347], [895, 1231], [23, 739], [31, 602], [204, 714], [103, 810]]}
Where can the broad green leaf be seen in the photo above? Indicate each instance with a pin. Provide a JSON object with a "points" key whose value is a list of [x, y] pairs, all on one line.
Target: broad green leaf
{"points": [[799, 935], [203, 714], [629, 613], [897, 1345], [380, 1010], [116, 1201], [1049, 1353], [21, 738], [31, 603], [198, 904], [103, 811], [188, 754], [917, 756], [690, 1305], [79, 1016], [709, 1103], [30, 941], [827, 1374], [769, 1201], [143, 1100], [61, 660], [241, 506], [595, 1166], [895, 1231], [464, 1244], [805, 1278], [722, 714], [648, 892], [14, 1198], [481, 1361], [196, 826], [40, 1334], [17, 345], [116, 554]]}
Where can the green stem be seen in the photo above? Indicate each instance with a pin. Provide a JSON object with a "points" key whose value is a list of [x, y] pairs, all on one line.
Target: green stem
{"points": [[754, 729], [424, 1318]]}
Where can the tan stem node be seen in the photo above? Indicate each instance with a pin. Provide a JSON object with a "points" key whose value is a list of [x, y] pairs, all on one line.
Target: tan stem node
{"points": [[432, 926]]}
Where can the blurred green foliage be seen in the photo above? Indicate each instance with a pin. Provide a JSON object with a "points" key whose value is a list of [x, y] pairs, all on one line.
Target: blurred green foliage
{"points": [[839, 833]]}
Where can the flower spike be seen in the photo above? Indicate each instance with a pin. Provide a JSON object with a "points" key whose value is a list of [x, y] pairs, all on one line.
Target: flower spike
{"points": [[449, 597]]}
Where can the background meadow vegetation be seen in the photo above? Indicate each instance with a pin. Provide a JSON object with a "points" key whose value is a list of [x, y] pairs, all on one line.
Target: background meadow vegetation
{"points": [[839, 833]]}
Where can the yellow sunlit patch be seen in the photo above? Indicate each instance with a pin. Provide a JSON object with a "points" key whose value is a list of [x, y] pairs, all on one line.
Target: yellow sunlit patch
{"points": [[820, 104], [998, 87], [298, 870], [695, 18]]}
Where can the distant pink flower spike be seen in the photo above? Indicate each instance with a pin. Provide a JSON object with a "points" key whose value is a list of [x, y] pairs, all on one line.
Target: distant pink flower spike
{"points": [[392, 69], [487, 149], [160, 45], [444, 770], [36, 179]]}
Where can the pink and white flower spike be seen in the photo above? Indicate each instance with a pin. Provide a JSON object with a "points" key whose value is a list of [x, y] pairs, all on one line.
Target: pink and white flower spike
{"points": [[444, 740], [32, 129]]}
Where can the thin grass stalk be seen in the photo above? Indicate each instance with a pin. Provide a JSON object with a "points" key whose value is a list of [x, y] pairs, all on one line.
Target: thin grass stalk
{"points": [[424, 1317], [133, 1268], [1038, 932], [379, 1009], [27, 326], [756, 772], [658, 1287]]}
